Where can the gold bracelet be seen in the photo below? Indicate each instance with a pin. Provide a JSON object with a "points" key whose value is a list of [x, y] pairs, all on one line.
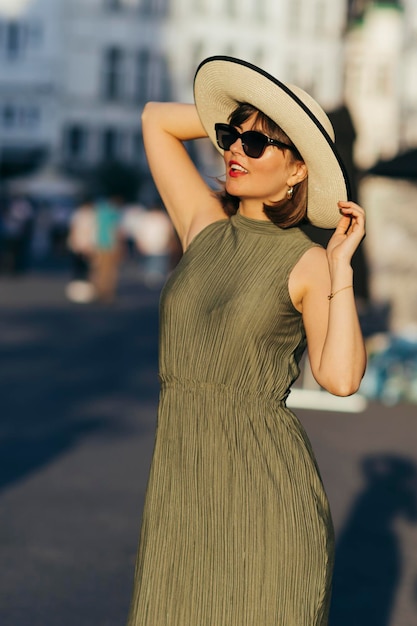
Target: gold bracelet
{"points": [[332, 295]]}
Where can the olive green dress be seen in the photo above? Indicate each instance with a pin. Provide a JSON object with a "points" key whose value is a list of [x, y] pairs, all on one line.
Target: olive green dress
{"points": [[236, 528]]}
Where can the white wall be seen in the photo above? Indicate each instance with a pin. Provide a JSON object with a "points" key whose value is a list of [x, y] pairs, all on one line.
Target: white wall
{"points": [[299, 41], [374, 84]]}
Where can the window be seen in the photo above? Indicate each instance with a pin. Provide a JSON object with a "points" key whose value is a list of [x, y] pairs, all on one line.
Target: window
{"points": [[152, 77], [15, 38], [113, 74], [19, 117], [13, 41], [138, 148], [76, 141], [34, 34], [148, 76], [29, 117], [163, 7], [122, 145], [143, 68], [154, 7], [146, 7], [9, 116], [113, 5], [110, 147], [161, 87]]}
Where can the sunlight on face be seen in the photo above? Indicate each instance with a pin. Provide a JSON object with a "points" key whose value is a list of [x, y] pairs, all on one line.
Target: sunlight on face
{"points": [[257, 181]]}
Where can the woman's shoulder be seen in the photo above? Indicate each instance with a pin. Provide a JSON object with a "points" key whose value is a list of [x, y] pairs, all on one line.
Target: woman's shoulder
{"points": [[310, 271], [311, 253], [312, 266], [299, 245]]}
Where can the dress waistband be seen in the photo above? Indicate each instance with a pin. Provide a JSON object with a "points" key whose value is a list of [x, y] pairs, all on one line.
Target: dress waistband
{"points": [[168, 382]]}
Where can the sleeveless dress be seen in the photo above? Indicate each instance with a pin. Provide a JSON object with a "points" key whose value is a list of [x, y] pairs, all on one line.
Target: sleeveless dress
{"points": [[236, 528]]}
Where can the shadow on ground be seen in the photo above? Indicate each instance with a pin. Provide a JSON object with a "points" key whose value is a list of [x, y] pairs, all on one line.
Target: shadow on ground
{"points": [[71, 372], [368, 564]]}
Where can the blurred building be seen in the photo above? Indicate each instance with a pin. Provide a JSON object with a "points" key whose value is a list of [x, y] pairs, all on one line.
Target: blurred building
{"points": [[74, 74], [390, 246], [381, 93], [301, 41], [380, 86], [73, 77], [30, 95], [114, 63]]}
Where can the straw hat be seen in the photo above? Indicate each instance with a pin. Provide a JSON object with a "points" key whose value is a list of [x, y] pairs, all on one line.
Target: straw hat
{"points": [[221, 82]]}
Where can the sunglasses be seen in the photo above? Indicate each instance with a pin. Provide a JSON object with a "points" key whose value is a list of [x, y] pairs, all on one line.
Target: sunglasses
{"points": [[254, 143]]}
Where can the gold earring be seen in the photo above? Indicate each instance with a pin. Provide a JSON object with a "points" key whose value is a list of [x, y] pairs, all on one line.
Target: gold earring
{"points": [[290, 192]]}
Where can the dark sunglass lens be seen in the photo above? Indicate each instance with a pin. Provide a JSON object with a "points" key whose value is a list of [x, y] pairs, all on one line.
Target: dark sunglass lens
{"points": [[254, 143], [225, 136]]}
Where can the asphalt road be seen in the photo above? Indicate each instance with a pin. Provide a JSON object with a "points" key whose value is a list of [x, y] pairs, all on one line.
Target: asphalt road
{"points": [[78, 395]]}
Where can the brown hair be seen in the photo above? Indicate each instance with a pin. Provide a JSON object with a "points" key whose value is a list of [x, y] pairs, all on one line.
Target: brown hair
{"points": [[284, 213]]}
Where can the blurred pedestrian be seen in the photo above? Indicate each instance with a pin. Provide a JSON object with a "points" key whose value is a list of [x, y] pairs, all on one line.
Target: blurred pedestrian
{"points": [[154, 239], [108, 248], [16, 234], [81, 243], [41, 239], [130, 223], [60, 216]]}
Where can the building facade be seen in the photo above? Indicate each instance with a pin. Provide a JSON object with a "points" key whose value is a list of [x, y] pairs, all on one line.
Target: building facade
{"points": [[113, 64], [76, 73], [30, 98], [380, 88], [299, 41], [74, 76]]}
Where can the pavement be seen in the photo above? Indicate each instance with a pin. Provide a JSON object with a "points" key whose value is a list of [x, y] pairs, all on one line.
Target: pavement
{"points": [[78, 397]]}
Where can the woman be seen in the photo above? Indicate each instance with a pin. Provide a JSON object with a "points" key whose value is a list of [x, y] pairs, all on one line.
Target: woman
{"points": [[236, 528]]}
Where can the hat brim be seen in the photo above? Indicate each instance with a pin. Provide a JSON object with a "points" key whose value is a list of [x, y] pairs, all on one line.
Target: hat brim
{"points": [[222, 82]]}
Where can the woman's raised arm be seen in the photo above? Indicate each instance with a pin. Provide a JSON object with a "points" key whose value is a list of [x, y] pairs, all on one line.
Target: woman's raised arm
{"points": [[189, 201]]}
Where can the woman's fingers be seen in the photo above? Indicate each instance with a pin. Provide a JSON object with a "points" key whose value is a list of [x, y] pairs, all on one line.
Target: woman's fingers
{"points": [[353, 218], [352, 210], [349, 231]]}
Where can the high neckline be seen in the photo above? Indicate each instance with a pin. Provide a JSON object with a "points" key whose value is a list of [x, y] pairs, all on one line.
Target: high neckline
{"points": [[254, 225]]}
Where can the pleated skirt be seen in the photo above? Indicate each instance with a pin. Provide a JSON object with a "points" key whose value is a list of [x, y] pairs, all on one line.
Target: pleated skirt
{"points": [[236, 528]]}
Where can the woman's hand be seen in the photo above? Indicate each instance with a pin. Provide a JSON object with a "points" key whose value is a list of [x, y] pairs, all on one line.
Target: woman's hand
{"points": [[348, 234]]}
